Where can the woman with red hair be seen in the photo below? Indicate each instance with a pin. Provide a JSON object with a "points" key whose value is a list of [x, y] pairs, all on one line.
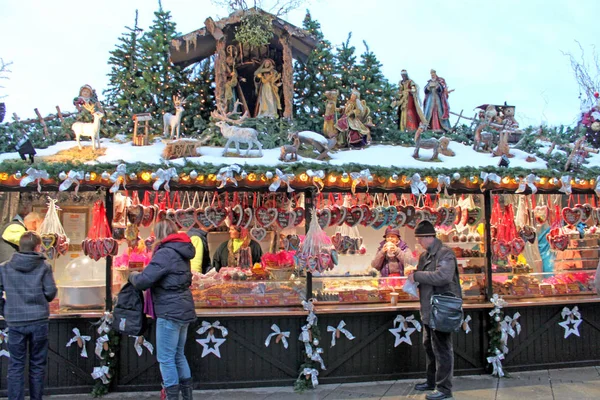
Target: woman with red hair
{"points": [[239, 251]]}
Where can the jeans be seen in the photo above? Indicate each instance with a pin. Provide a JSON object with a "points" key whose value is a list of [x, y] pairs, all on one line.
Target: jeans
{"points": [[36, 336], [170, 342], [440, 359]]}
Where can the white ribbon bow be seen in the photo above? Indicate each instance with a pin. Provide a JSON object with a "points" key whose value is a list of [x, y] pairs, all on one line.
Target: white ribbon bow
{"points": [[82, 340], [363, 176], [316, 357], [528, 181], [277, 332], [491, 177], [571, 314], [100, 344], [305, 338], [565, 180], [216, 325], [317, 178], [597, 188], [4, 353], [509, 323], [164, 176], [417, 186], [497, 364], [335, 332], [118, 176], [226, 174], [404, 322], [310, 307], [139, 342], [497, 301], [281, 177], [105, 323], [73, 177], [101, 373], [313, 375], [34, 175], [443, 182], [465, 324]]}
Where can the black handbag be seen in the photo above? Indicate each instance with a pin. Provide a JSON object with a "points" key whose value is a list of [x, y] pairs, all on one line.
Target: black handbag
{"points": [[446, 312]]}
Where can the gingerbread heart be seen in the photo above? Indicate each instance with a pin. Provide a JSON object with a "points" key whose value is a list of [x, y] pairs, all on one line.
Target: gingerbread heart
{"points": [[517, 245], [541, 214], [170, 215], [527, 233], [148, 215], [258, 233], [215, 215], [338, 214], [84, 247], [285, 218], [48, 241], [161, 215], [369, 215], [442, 216], [560, 242], [186, 218], [501, 248], [354, 216], [380, 219], [324, 217], [586, 211], [572, 216], [336, 241], [401, 217], [135, 214], [62, 248], [247, 217], [474, 216], [201, 219], [265, 216], [111, 246], [236, 215], [411, 217]]}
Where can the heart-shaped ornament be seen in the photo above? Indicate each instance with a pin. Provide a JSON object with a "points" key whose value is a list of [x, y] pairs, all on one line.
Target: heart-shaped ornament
{"points": [[236, 214], [541, 214], [369, 215], [411, 217], [285, 218], [161, 215], [474, 216], [48, 240], [216, 215], [135, 214], [111, 246], [186, 218], [170, 215], [401, 217], [380, 218], [354, 216], [299, 215], [452, 216], [501, 248], [442, 216], [258, 233], [324, 217], [338, 214], [201, 219], [265, 216], [391, 212], [559, 242], [148, 215], [572, 216], [587, 211], [336, 241], [149, 242], [248, 217], [527, 233], [517, 245]]}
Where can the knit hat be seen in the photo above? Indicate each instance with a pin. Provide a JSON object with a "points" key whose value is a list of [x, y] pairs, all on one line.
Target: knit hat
{"points": [[425, 228], [392, 231]]}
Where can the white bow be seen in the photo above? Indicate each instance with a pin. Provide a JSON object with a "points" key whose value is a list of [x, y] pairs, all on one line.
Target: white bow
{"points": [[528, 181], [465, 324], [509, 323], [565, 180], [216, 325], [4, 353], [80, 340], [335, 332], [34, 175], [404, 322], [105, 323], [101, 373], [597, 188], [316, 357], [443, 181], [277, 332], [417, 186], [139, 342], [226, 174], [4, 335], [100, 344], [363, 176], [310, 307], [497, 301], [317, 177], [118, 176], [571, 314], [305, 338], [281, 177], [485, 178], [497, 364], [73, 177], [164, 176], [313, 375]]}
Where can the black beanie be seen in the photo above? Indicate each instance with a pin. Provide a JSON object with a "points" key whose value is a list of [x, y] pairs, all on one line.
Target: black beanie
{"points": [[425, 228]]}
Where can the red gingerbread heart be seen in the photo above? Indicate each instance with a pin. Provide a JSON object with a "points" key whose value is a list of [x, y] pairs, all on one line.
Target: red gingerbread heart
{"points": [[474, 216], [501, 248], [258, 233], [324, 218], [401, 217], [517, 245], [587, 211], [338, 215], [442, 216], [135, 214], [299, 212], [265, 216], [285, 218], [540, 214], [369, 215], [236, 215], [247, 217], [572, 216], [560, 242], [354, 216], [148, 214], [527, 233]]}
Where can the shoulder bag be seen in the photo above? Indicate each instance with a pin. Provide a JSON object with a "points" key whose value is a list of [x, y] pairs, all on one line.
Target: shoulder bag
{"points": [[446, 311]]}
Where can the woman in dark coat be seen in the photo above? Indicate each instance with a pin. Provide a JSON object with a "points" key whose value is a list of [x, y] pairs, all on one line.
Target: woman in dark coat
{"points": [[169, 277], [239, 251]]}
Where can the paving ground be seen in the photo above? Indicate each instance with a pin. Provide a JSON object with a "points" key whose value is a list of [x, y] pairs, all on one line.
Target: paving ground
{"points": [[557, 384]]}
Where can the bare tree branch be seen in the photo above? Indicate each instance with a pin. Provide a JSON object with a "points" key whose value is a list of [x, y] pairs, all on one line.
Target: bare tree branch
{"points": [[587, 74], [4, 71]]}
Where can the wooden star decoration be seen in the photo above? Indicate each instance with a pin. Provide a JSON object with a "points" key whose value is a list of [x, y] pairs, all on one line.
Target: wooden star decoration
{"points": [[567, 325], [208, 348]]}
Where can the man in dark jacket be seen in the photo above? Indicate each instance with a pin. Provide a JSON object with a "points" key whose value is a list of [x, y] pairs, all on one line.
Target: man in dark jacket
{"points": [[29, 285], [436, 273], [238, 251]]}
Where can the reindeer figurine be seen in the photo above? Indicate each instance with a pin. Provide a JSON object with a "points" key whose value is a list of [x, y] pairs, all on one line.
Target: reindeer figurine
{"points": [[173, 121], [91, 129], [291, 149]]}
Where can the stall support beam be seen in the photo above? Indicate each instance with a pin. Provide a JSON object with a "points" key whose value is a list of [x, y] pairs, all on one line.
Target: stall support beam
{"points": [[109, 216], [487, 196]]}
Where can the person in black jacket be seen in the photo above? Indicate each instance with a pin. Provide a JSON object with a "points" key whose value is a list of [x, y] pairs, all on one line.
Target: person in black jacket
{"points": [[201, 261], [239, 251], [29, 285], [169, 277]]}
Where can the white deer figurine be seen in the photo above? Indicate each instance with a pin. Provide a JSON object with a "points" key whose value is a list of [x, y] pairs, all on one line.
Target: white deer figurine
{"points": [[239, 135], [173, 121], [91, 129]]}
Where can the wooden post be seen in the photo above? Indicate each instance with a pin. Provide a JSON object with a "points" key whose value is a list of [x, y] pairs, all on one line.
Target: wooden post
{"points": [[60, 116], [220, 63], [42, 121], [287, 76]]}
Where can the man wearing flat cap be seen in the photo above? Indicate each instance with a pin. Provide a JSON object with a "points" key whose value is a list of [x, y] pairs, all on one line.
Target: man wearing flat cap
{"points": [[436, 273]]}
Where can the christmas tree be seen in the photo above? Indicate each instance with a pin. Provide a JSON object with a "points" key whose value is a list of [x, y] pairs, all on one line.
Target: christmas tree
{"points": [[125, 93], [347, 70], [202, 101], [312, 78]]}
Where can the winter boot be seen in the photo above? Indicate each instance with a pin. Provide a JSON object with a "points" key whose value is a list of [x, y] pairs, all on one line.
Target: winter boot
{"points": [[186, 387], [172, 392]]}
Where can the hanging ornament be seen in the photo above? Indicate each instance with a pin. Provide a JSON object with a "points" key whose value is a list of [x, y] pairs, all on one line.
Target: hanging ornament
{"points": [[279, 336], [193, 174], [133, 176], [117, 177], [80, 340], [456, 176], [511, 325], [269, 175], [404, 327], [226, 174], [363, 176], [140, 341], [87, 176], [572, 320], [312, 374], [207, 326], [317, 178], [18, 175], [73, 177], [279, 178], [210, 345], [336, 331], [101, 344], [417, 186], [105, 175], [243, 175], [34, 175], [62, 176], [164, 176]]}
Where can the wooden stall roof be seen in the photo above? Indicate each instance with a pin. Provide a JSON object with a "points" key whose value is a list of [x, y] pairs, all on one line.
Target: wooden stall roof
{"points": [[200, 44]]}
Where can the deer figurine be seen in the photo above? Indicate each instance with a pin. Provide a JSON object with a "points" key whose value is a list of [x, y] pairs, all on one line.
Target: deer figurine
{"points": [[239, 135], [173, 121], [291, 149], [91, 129]]}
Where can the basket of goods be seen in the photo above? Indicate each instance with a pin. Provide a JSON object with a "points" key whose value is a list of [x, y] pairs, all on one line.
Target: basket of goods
{"points": [[279, 265]]}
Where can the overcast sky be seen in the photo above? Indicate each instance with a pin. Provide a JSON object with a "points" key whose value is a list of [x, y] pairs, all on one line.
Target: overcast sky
{"points": [[488, 51]]}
